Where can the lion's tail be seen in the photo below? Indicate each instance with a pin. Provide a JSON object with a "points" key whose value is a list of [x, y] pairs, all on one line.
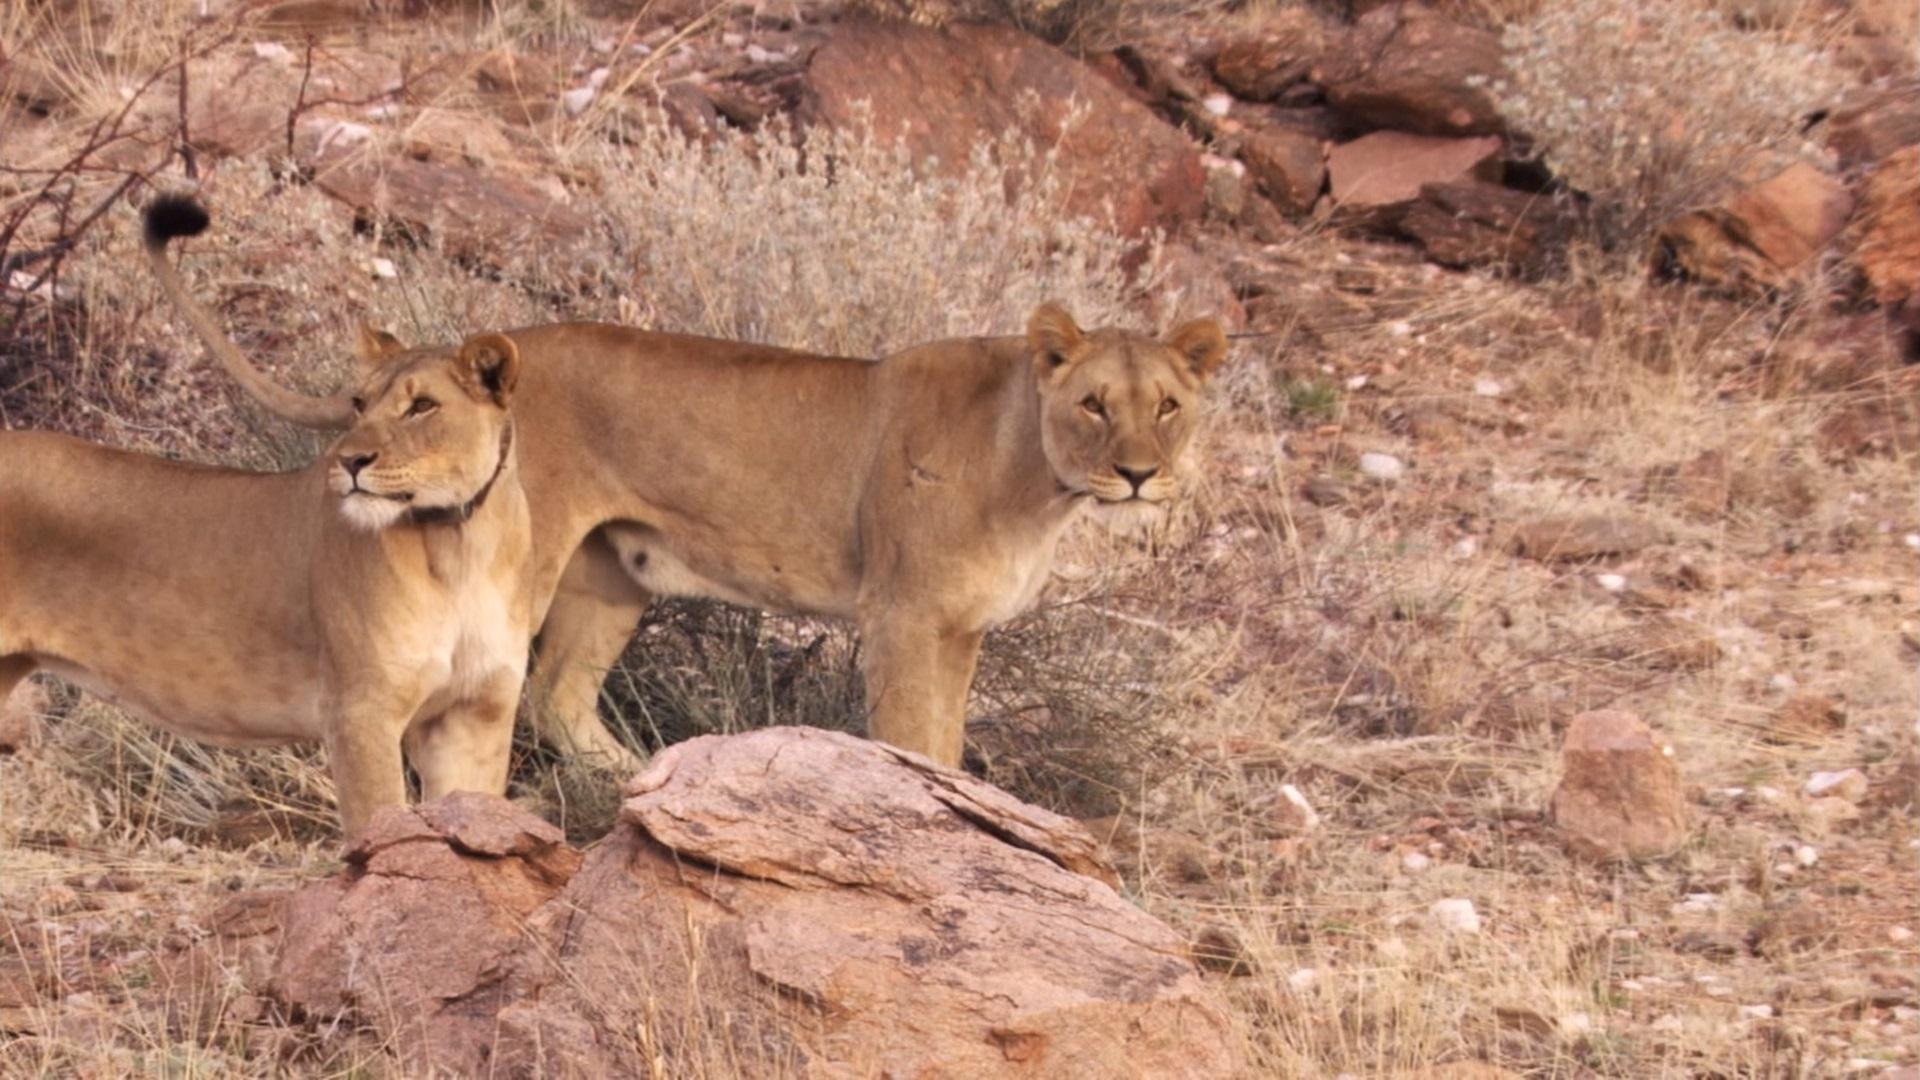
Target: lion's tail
{"points": [[171, 216]]}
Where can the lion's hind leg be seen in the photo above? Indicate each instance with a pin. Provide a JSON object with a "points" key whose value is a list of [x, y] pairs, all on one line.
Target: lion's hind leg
{"points": [[592, 617]]}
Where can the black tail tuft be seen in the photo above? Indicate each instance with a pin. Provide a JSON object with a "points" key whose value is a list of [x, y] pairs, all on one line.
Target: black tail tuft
{"points": [[174, 215]]}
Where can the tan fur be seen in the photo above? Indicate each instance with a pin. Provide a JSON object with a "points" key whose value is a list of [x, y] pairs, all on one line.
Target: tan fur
{"points": [[253, 608], [921, 496]]}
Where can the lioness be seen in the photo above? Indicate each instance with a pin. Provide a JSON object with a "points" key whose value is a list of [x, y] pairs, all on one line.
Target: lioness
{"points": [[921, 496], [379, 597]]}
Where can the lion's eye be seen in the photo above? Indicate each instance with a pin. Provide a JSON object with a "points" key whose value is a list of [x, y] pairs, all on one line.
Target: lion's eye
{"points": [[1168, 407], [422, 406], [359, 405], [1092, 406]]}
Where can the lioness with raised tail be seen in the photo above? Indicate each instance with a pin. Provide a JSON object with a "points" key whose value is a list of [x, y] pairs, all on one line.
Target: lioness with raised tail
{"points": [[921, 496], [380, 598]]}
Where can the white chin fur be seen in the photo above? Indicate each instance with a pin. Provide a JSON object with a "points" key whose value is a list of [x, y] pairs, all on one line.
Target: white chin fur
{"points": [[370, 512], [1132, 516]]}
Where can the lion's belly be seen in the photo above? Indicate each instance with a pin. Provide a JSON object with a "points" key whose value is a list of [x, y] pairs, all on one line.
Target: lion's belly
{"points": [[733, 576], [207, 701]]}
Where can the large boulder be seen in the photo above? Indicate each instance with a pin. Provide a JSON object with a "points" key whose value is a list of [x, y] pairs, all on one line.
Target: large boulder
{"points": [[1762, 235], [789, 901], [945, 92], [1261, 66], [1887, 237], [1409, 69], [1470, 223], [1620, 795], [479, 215]]}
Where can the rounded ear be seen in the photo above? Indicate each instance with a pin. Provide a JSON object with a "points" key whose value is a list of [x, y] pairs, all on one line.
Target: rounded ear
{"points": [[490, 363], [1053, 335], [1203, 344], [375, 344]]}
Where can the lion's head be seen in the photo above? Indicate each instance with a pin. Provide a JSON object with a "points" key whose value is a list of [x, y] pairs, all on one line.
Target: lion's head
{"points": [[1118, 408], [430, 433]]}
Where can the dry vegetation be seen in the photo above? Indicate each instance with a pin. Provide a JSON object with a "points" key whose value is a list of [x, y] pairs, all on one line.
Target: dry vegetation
{"points": [[1380, 647]]}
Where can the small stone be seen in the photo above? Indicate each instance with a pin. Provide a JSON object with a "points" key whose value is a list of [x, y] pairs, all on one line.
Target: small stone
{"points": [[1899, 935], [1806, 854], [1756, 1012], [1455, 915], [1575, 537], [1415, 862], [1294, 813], [575, 101], [1848, 784], [1302, 981], [384, 268], [1356, 382], [1611, 582], [1619, 795], [1488, 387], [1805, 718], [272, 50], [1382, 467], [1218, 104]]}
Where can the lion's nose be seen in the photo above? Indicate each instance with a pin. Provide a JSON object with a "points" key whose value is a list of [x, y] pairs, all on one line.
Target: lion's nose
{"points": [[1136, 477], [353, 463]]}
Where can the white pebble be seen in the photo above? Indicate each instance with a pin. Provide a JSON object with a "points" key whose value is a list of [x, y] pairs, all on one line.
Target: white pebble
{"points": [[598, 77], [1574, 1024], [384, 268], [1806, 854], [1415, 862], [576, 101], [1382, 467], [1912, 540], [1309, 817], [1303, 980], [1356, 382], [272, 50], [1455, 915], [1783, 682], [383, 111], [1466, 547], [1849, 784], [1756, 1012], [343, 133], [1611, 582], [1899, 935], [640, 49], [1488, 387], [604, 44], [1218, 104], [733, 39]]}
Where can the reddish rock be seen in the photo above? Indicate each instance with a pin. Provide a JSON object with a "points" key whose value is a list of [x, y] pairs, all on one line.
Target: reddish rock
{"points": [[1389, 167], [789, 901], [1762, 234], [1578, 537], [1258, 68], [945, 92], [1619, 795], [1409, 69], [476, 215], [1289, 167], [1873, 122], [1471, 223], [1887, 236], [1194, 287]]}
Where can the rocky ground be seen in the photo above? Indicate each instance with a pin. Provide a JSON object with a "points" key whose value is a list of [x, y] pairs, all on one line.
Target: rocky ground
{"points": [[1528, 687]]}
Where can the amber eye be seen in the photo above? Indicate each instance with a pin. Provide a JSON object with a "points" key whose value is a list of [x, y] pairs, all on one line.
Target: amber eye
{"points": [[422, 406], [1168, 407], [359, 405], [1093, 407]]}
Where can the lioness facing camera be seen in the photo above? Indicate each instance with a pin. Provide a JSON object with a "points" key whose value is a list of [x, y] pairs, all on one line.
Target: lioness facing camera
{"points": [[921, 496], [378, 598]]}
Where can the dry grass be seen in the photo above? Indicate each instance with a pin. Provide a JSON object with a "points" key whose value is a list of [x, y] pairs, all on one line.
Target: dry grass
{"points": [[1385, 653]]}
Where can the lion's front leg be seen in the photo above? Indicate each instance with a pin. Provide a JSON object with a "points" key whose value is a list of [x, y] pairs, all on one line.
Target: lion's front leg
{"points": [[468, 747], [592, 617], [363, 750], [917, 678]]}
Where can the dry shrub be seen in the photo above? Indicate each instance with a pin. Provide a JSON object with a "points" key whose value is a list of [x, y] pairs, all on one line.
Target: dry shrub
{"points": [[1655, 109]]}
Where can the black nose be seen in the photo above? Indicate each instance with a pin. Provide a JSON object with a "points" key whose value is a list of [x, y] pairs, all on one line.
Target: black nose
{"points": [[353, 463], [1136, 477]]}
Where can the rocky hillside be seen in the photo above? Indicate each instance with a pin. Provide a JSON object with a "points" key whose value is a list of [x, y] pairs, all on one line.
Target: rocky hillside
{"points": [[1527, 689]]}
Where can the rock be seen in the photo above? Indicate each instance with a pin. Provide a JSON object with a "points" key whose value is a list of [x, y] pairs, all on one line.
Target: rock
{"points": [[1469, 223], [1669, 643], [1408, 69], [1390, 167], [1763, 234], [1872, 123], [476, 215], [1325, 491], [1619, 795], [1382, 467], [20, 713], [1847, 784], [945, 92], [1805, 718], [1259, 68], [1887, 234], [795, 901], [1195, 287], [1288, 166], [1455, 915], [1578, 537]]}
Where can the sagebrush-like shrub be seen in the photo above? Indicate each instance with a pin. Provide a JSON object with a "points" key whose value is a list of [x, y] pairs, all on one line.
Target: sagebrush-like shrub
{"points": [[1654, 109]]}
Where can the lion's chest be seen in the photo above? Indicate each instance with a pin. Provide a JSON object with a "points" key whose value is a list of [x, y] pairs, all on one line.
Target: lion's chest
{"points": [[477, 639]]}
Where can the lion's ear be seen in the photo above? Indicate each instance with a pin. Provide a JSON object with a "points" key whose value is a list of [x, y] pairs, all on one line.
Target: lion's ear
{"points": [[490, 366], [374, 346], [1202, 343], [1053, 336]]}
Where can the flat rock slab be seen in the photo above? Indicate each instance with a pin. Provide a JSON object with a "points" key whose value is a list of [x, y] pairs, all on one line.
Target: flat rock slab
{"points": [[784, 902], [1578, 537], [1389, 167]]}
